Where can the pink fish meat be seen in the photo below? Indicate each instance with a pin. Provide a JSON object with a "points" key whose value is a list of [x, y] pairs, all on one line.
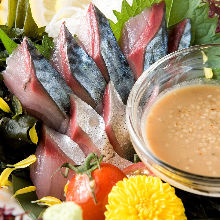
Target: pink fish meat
{"points": [[53, 150], [87, 129], [144, 38], [21, 79], [114, 114]]}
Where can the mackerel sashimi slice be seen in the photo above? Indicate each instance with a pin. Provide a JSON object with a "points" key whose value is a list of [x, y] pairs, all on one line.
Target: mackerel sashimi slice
{"points": [[103, 42], [144, 38], [53, 150], [114, 114], [87, 129], [180, 36], [22, 80], [78, 69]]}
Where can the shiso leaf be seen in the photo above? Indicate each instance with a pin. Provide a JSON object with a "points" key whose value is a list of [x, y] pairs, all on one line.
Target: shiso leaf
{"points": [[203, 27], [178, 10], [24, 200], [9, 44]]}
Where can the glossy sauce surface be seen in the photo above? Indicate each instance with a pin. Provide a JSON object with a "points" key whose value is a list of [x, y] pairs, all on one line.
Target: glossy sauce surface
{"points": [[183, 129]]}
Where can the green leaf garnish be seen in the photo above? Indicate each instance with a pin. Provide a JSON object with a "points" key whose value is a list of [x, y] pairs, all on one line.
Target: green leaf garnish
{"points": [[203, 27], [24, 200], [17, 108], [46, 47], [9, 44]]}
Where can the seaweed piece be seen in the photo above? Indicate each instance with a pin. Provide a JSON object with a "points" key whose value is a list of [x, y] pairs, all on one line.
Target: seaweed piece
{"points": [[15, 143]]}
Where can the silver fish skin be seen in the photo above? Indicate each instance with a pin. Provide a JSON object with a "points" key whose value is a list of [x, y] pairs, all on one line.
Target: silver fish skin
{"points": [[83, 68], [115, 122], [92, 124], [51, 80], [20, 77], [158, 46], [54, 150], [186, 36], [118, 68]]}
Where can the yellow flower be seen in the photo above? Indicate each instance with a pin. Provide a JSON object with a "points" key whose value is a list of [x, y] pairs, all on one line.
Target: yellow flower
{"points": [[25, 190], [144, 197]]}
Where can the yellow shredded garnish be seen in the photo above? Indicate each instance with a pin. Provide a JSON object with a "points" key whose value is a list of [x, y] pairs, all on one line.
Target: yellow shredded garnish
{"points": [[33, 134], [66, 187], [4, 182], [24, 190], [204, 56], [144, 197], [47, 201], [24, 163], [208, 73], [4, 106]]}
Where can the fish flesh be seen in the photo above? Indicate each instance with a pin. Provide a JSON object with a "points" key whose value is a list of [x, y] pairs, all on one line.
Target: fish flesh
{"points": [[114, 114], [87, 129], [144, 38], [180, 36], [89, 38], [78, 69], [53, 150], [102, 40], [51, 80], [21, 79]]}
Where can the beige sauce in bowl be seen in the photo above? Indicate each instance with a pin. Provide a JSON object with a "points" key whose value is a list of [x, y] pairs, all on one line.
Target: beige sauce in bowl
{"points": [[182, 128]]}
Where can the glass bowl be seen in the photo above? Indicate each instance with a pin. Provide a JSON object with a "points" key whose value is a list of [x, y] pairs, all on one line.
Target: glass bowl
{"points": [[179, 67]]}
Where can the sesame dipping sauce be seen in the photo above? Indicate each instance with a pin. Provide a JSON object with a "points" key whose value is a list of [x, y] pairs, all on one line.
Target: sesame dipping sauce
{"points": [[182, 128]]}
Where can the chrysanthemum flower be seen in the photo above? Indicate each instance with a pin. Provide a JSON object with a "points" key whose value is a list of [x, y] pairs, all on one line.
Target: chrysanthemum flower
{"points": [[144, 198]]}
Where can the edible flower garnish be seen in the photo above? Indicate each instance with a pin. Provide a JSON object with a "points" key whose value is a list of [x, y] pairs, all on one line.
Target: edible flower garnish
{"points": [[48, 201], [33, 134], [144, 197], [24, 163], [208, 73], [4, 106], [4, 182], [24, 190]]}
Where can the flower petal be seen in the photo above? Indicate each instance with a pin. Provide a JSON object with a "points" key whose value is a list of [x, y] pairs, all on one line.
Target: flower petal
{"points": [[24, 190], [4, 106], [24, 163], [4, 176], [33, 134], [48, 201]]}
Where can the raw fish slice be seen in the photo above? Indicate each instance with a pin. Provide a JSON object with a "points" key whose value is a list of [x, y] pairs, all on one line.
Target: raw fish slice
{"points": [[87, 128], [118, 69], [20, 78], [180, 36], [51, 80], [89, 39], [78, 69], [114, 114], [141, 37], [53, 150]]}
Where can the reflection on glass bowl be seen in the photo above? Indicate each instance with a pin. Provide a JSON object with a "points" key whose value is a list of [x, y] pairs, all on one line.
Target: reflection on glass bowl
{"points": [[201, 63]]}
